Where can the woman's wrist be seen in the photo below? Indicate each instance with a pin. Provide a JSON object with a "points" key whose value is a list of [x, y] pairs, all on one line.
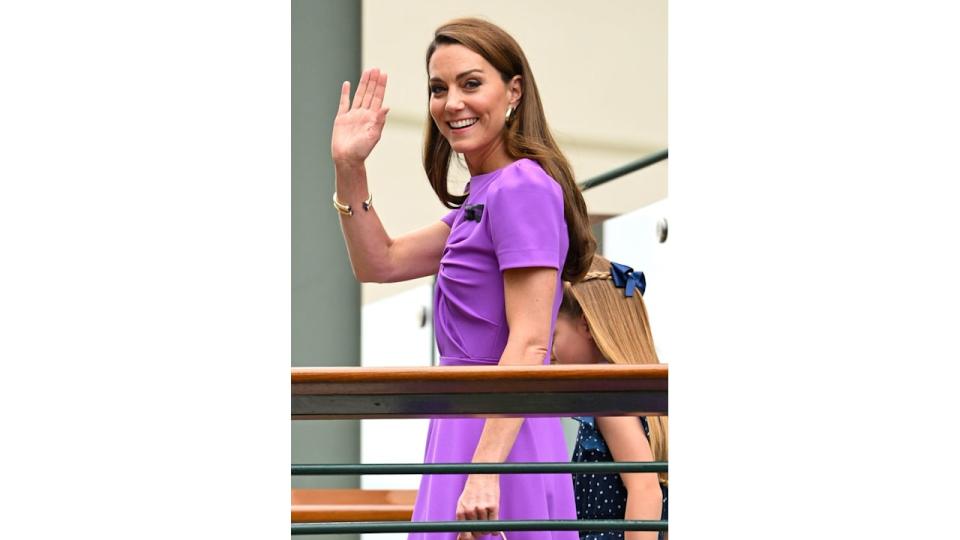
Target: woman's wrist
{"points": [[348, 164], [351, 181], [483, 478]]}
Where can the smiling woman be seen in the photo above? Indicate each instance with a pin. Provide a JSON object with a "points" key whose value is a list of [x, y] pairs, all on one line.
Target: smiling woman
{"points": [[499, 256], [478, 71], [467, 103]]}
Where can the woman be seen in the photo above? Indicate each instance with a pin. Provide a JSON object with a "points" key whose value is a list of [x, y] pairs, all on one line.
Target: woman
{"points": [[603, 320], [500, 257]]}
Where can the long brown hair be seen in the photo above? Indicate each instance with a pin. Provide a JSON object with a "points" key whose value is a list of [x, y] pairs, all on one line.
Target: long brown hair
{"points": [[621, 330], [525, 136]]}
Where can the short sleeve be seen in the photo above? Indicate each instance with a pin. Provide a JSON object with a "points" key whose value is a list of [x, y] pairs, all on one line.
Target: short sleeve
{"points": [[525, 216], [448, 219]]}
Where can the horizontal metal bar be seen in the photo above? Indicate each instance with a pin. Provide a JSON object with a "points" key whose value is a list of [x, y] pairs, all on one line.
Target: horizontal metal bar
{"points": [[488, 468], [479, 526], [588, 403], [641, 163]]}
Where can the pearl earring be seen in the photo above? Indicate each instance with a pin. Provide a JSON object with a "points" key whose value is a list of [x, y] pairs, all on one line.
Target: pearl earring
{"points": [[509, 110]]}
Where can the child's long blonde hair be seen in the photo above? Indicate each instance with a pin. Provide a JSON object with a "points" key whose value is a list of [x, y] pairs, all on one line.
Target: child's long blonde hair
{"points": [[621, 330]]}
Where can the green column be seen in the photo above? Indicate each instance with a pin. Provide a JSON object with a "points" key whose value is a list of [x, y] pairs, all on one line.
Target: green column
{"points": [[326, 297]]}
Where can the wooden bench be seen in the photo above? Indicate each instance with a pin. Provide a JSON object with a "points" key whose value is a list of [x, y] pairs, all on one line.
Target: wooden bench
{"points": [[320, 505]]}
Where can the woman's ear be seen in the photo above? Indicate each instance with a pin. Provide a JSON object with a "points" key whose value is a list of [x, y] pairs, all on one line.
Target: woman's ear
{"points": [[515, 90]]}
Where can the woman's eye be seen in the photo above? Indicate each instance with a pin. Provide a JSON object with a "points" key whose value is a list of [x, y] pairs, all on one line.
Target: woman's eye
{"points": [[436, 90], [472, 83]]}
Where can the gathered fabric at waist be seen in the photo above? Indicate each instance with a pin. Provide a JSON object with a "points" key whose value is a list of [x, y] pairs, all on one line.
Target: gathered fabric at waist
{"points": [[458, 361]]}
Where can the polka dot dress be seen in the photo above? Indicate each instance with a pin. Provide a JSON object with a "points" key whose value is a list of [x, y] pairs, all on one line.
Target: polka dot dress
{"points": [[601, 496]]}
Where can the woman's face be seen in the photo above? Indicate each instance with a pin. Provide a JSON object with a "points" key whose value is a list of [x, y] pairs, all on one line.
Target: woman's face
{"points": [[572, 343], [468, 101]]}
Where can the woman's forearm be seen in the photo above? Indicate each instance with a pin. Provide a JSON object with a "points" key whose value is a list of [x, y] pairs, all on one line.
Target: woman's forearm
{"points": [[495, 444], [499, 434], [368, 244], [497, 439]]}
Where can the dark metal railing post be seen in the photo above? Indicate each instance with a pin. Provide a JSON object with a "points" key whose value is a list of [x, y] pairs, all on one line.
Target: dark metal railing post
{"points": [[641, 163], [483, 468]]}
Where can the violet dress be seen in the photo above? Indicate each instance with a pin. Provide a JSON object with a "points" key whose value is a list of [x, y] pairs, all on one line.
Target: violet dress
{"points": [[512, 218]]}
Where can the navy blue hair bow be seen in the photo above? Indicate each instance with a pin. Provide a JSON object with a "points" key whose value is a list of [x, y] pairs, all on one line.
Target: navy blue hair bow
{"points": [[625, 278]]}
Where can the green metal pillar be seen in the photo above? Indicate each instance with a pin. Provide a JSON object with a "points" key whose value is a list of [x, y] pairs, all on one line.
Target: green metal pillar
{"points": [[326, 297]]}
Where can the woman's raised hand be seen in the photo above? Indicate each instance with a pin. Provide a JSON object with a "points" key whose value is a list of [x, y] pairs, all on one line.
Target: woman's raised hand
{"points": [[357, 128]]}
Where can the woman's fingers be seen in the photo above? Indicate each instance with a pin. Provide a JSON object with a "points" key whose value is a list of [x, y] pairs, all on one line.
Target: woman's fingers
{"points": [[378, 91], [370, 91], [490, 513], [470, 514], [466, 513], [371, 88], [463, 516], [361, 90], [344, 98], [481, 513], [477, 513]]}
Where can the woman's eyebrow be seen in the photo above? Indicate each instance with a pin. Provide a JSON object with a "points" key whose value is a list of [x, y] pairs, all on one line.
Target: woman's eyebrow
{"points": [[460, 76]]}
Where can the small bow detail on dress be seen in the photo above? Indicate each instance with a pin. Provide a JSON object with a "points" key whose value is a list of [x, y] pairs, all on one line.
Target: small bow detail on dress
{"points": [[473, 212], [625, 278]]}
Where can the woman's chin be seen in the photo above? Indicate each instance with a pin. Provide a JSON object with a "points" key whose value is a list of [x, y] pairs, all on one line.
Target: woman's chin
{"points": [[460, 147]]}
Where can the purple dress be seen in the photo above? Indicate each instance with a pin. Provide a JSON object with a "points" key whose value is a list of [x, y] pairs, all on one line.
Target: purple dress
{"points": [[512, 218]]}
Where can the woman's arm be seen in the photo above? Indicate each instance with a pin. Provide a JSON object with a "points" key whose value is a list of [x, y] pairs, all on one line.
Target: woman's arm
{"points": [[374, 256], [627, 442], [528, 297]]}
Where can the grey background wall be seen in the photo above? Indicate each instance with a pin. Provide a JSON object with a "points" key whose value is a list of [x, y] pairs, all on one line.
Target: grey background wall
{"points": [[326, 297]]}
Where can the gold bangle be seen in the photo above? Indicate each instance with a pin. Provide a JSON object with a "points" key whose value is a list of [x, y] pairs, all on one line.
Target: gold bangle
{"points": [[340, 207], [346, 210]]}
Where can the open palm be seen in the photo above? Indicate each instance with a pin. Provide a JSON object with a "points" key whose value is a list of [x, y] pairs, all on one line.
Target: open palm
{"points": [[358, 127]]}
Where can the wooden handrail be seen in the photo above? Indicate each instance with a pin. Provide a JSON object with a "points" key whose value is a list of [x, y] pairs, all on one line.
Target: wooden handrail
{"points": [[323, 505], [473, 391]]}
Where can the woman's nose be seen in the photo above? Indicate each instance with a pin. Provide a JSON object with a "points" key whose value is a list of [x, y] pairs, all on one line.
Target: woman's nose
{"points": [[454, 103]]}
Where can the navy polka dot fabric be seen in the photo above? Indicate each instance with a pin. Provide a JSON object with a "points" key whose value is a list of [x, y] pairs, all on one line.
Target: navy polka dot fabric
{"points": [[601, 496]]}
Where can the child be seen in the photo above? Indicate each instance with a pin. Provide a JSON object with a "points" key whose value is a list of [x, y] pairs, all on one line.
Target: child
{"points": [[603, 320]]}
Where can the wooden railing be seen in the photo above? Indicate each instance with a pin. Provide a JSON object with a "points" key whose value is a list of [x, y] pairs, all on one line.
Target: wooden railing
{"points": [[458, 391], [467, 391]]}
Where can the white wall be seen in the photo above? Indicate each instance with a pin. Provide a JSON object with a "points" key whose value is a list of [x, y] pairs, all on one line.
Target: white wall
{"points": [[632, 239]]}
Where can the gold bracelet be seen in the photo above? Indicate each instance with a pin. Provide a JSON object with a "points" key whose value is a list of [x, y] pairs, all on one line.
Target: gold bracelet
{"points": [[346, 210], [340, 207]]}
